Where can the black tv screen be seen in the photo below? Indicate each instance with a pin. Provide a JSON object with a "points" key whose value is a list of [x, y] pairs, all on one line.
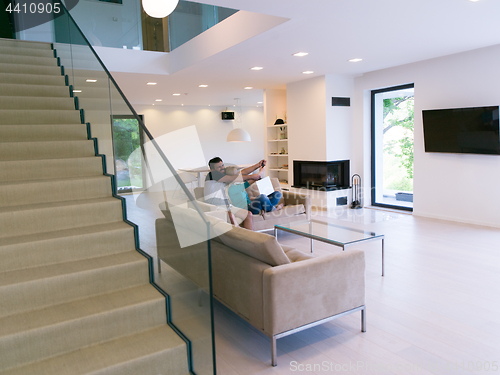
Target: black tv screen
{"points": [[472, 130]]}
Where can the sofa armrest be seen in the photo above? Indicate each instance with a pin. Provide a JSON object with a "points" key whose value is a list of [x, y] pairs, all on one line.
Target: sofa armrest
{"points": [[292, 198], [304, 292], [219, 214]]}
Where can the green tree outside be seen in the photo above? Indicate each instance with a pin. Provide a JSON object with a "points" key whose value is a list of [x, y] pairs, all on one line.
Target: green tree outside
{"points": [[126, 141], [398, 118]]}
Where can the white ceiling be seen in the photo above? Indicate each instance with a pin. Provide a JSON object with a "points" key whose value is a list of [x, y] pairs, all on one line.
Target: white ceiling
{"points": [[384, 33]]}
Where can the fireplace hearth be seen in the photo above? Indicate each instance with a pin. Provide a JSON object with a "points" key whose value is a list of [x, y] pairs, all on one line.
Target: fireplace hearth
{"points": [[321, 175]]}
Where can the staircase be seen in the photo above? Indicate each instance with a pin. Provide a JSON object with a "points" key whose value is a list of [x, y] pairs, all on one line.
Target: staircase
{"points": [[75, 294]]}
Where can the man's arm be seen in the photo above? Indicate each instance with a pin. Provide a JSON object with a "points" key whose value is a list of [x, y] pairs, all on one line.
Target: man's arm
{"points": [[248, 170], [246, 177]]}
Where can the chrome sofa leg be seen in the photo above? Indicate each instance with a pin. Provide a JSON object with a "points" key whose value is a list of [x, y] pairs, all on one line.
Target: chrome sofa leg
{"points": [[274, 356], [363, 320]]}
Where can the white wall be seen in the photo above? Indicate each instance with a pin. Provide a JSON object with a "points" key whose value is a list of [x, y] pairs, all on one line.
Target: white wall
{"points": [[211, 129], [447, 186], [338, 119], [274, 105], [306, 119]]}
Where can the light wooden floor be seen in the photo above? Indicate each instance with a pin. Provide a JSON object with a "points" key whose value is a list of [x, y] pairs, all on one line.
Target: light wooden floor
{"points": [[436, 311]]}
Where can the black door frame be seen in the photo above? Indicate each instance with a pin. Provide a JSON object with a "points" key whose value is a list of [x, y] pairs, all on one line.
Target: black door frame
{"points": [[373, 93]]}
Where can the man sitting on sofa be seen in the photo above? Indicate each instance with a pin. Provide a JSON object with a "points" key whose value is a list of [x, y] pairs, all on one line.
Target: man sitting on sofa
{"points": [[215, 188]]}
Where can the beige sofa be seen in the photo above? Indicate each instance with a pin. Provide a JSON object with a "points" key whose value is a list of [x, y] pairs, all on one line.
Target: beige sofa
{"points": [[277, 289], [296, 207]]}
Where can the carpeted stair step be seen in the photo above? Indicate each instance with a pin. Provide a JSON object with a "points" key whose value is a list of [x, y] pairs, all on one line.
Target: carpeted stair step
{"points": [[27, 60], [41, 169], [45, 92], [15, 43], [42, 249], [26, 51], [33, 102], [44, 132], [80, 80], [46, 150], [57, 81], [158, 351], [40, 287], [92, 93], [44, 116], [64, 328], [40, 218], [55, 190], [30, 69]]}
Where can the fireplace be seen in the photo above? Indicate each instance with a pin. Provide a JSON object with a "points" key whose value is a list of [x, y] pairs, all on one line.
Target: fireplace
{"points": [[323, 175]]}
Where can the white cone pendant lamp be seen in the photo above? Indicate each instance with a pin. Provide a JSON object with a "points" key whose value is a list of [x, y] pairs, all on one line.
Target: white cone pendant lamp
{"points": [[238, 135], [159, 8]]}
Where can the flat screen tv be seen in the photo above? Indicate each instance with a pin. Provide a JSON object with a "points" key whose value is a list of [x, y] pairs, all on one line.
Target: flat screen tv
{"points": [[472, 130]]}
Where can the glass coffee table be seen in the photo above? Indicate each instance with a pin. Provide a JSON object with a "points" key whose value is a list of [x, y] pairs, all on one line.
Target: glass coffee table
{"points": [[330, 233]]}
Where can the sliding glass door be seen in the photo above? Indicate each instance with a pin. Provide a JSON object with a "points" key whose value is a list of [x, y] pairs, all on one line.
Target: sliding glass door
{"points": [[392, 147]]}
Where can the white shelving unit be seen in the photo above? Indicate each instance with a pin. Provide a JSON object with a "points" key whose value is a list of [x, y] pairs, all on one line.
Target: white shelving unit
{"points": [[277, 153]]}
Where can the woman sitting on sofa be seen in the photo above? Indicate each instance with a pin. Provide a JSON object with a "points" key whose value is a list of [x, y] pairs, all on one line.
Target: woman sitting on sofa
{"points": [[215, 188], [239, 197]]}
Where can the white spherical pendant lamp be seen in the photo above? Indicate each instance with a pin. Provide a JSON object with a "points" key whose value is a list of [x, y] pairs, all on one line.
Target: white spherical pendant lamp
{"points": [[159, 8], [238, 135]]}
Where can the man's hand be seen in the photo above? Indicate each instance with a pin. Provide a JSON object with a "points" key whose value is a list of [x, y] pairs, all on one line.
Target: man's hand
{"points": [[256, 176]]}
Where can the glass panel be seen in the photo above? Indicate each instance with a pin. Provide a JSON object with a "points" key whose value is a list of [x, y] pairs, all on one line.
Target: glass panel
{"points": [[333, 233], [393, 147], [174, 235], [191, 19]]}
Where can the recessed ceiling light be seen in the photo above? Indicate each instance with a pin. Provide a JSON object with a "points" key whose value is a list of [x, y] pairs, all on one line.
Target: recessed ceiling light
{"points": [[257, 68], [158, 100], [77, 90], [259, 102], [300, 54], [474, 1], [248, 88], [308, 72], [203, 86], [356, 60], [91, 80], [151, 83], [176, 94]]}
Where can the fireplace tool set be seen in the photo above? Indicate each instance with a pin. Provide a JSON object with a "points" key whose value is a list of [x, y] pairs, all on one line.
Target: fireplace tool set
{"points": [[356, 191]]}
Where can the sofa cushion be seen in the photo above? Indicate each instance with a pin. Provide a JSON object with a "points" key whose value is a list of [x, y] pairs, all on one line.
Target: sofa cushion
{"points": [[295, 255], [257, 245], [205, 207], [190, 227], [286, 211]]}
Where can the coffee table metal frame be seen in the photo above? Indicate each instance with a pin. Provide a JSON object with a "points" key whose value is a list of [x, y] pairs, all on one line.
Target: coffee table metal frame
{"points": [[373, 236]]}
